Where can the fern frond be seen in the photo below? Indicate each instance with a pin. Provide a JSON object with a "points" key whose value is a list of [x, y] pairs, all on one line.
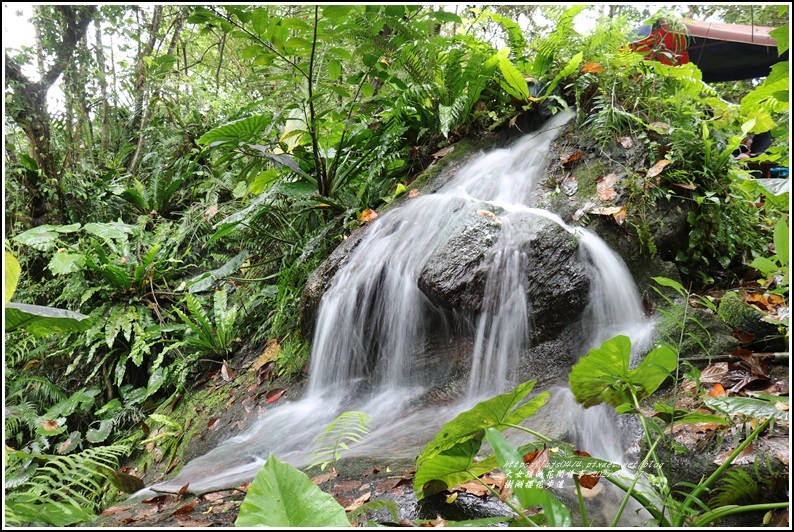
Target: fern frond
{"points": [[66, 489], [349, 426], [197, 312], [374, 506], [737, 487], [35, 388]]}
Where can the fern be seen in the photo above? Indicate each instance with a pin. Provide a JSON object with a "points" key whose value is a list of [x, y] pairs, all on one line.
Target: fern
{"points": [[737, 488], [348, 427], [217, 340], [63, 490], [354, 516]]}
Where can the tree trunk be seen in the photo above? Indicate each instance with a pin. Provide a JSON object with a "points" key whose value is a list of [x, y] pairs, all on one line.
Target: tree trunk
{"points": [[28, 104], [136, 125], [103, 88]]}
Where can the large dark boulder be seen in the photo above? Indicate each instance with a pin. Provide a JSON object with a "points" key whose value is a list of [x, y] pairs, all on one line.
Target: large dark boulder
{"points": [[555, 281]]}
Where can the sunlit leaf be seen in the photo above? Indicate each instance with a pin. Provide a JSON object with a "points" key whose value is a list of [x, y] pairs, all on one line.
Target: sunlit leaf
{"points": [[63, 263], [12, 273], [515, 84], [367, 215], [496, 412], [281, 496], [594, 68]]}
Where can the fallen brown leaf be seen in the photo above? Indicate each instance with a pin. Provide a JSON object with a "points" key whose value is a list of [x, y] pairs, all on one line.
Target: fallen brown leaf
{"points": [[443, 151], [367, 215], [115, 509], [187, 508], [209, 213], [747, 456], [607, 211], [569, 160], [489, 215], [227, 373], [172, 465], [536, 461], [714, 373], [590, 480], [358, 502], [274, 394], [325, 477], [473, 487], [604, 186], [657, 168], [593, 68], [271, 351], [718, 390]]}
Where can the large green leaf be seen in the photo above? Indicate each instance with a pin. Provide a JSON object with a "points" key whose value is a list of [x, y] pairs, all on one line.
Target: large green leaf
{"points": [[41, 321], [65, 262], [498, 412], [781, 237], [570, 68], [110, 231], [12, 273], [44, 237], [243, 130], [281, 496], [515, 84], [527, 489], [603, 375], [207, 279], [53, 512], [764, 406], [451, 467]]}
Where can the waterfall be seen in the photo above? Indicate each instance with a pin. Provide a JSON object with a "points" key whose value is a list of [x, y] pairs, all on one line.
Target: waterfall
{"points": [[373, 322]]}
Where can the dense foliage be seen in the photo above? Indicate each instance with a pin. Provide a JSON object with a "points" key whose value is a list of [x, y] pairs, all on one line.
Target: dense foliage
{"points": [[203, 161]]}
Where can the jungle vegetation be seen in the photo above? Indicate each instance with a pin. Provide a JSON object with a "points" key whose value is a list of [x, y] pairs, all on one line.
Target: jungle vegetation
{"points": [[174, 173]]}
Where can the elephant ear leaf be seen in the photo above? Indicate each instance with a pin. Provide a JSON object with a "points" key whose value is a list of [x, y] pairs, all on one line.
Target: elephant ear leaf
{"points": [[603, 375], [282, 496]]}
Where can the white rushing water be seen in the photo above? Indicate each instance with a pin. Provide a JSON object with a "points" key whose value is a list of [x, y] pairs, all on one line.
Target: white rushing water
{"points": [[373, 322]]}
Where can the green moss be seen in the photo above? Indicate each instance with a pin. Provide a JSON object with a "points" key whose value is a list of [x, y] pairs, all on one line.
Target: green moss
{"points": [[458, 156], [587, 175], [735, 312], [192, 412]]}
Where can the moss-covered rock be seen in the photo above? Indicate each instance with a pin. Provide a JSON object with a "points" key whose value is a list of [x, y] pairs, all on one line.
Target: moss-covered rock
{"points": [[736, 313]]}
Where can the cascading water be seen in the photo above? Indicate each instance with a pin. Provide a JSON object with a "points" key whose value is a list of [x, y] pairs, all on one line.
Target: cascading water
{"points": [[374, 321]]}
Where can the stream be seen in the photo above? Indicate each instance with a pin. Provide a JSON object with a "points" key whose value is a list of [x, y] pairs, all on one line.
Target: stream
{"points": [[374, 321]]}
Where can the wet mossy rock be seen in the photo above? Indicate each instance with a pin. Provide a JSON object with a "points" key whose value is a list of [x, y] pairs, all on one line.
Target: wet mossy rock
{"points": [[428, 182], [736, 313]]}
